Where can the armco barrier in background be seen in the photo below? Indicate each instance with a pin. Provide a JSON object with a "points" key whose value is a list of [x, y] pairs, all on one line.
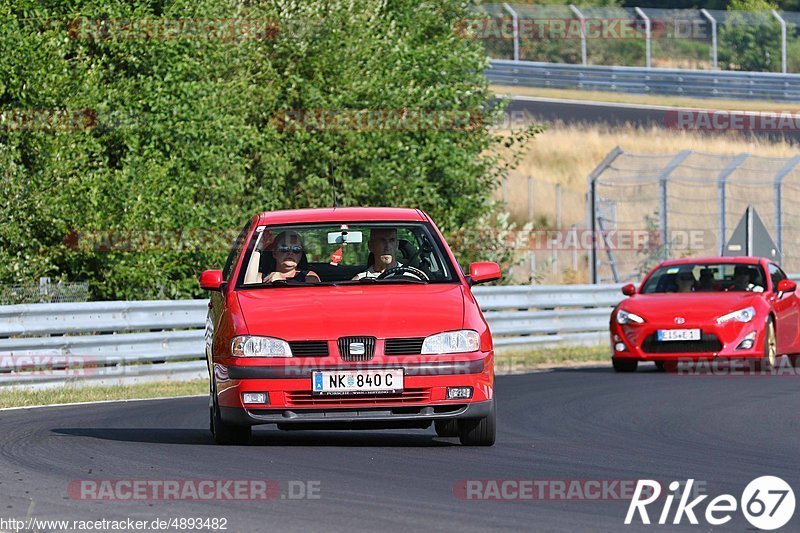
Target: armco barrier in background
{"points": [[639, 80], [48, 345], [45, 345]]}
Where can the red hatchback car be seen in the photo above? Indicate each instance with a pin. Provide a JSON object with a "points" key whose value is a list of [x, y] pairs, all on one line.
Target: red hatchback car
{"points": [[348, 318], [714, 308]]}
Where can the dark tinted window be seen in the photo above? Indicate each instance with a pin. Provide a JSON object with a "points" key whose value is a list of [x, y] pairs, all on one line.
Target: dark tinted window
{"points": [[706, 277]]}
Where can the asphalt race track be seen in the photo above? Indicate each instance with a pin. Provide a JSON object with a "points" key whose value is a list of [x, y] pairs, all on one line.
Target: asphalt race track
{"points": [[581, 424], [617, 114]]}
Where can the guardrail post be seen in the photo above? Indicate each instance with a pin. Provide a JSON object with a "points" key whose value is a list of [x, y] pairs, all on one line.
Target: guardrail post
{"points": [[515, 27], [783, 40], [713, 21], [579, 15], [788, 168], [721, 182], [591, 207], [647, 35], [662, 182]]}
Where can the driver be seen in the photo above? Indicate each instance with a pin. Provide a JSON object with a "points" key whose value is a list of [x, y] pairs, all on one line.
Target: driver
{"points": [[741, 280], [383, 245]]}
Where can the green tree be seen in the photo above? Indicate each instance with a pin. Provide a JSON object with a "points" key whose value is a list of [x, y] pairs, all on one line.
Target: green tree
{"points": [[183, 132], [750, 39]]}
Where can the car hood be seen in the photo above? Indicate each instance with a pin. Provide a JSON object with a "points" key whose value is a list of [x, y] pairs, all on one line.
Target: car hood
{"points": [[692, 307], [330, 312]]}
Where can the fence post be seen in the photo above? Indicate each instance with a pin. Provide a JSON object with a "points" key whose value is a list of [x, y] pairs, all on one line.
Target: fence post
{"points": [[579, 15], [591, 207], [530, 198], [713, 22], [558, 206], [515, 27], [785, 171], [662, 181], [721, 182], [647, 35], [783, 40]]}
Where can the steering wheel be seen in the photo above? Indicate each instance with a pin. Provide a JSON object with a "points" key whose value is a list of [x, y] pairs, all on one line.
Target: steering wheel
{"points": [[399, 271]]}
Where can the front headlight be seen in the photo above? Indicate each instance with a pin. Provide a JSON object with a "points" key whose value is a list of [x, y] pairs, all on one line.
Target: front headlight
{"points": [[624, 317], [464, 340], [250, 346], [742, 315]]}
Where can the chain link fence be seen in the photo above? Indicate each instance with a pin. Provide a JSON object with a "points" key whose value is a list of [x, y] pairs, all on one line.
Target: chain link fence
{"points": [[44, 292], [645, 208], [760, 41]]}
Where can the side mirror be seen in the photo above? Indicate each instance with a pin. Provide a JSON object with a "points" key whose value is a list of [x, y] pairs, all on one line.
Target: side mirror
{"points": [[629, 289], [786, 285], [483, 271], [211, 280]]}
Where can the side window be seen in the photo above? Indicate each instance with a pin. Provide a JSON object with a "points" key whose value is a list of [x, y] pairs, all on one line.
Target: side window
{"points": [[776, 274], [237, 246]]}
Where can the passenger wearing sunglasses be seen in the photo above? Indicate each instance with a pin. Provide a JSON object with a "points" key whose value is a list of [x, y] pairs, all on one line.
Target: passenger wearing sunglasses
{"points": [[287, 249]]}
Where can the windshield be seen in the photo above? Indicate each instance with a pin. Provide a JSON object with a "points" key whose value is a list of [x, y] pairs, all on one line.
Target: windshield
{"points": [[720, 277], [359, 253]]}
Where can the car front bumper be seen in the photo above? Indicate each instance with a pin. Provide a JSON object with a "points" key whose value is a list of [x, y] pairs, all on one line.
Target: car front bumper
{"points": [[291, 402]]}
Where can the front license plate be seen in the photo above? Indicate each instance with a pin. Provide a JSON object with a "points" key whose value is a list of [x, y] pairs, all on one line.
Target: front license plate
{"points": [[382, 381], [678, 335]]}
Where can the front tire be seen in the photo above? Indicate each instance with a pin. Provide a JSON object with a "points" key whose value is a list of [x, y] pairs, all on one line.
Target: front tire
{"points": [[446, 428], [770, 347], [224, 433], [480, 431], [624, 365]]}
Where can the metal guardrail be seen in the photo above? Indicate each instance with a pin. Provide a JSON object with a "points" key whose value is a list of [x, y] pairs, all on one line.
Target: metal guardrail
{"points": [[640, 80], [49, 345], [46, 345]]}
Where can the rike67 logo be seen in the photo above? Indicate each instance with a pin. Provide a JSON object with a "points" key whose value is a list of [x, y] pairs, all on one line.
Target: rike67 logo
{"points": [[767, 503]]}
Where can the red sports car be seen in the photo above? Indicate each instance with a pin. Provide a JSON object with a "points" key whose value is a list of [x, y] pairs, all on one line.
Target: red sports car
{"points": [[719, 307], [348, 318]]}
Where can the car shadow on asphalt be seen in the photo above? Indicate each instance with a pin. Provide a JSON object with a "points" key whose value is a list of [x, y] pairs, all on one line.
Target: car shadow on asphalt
{"points": [[265, 437]]}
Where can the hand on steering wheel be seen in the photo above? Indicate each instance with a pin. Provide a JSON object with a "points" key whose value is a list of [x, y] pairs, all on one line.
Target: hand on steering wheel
{"points": [[401, 271]]}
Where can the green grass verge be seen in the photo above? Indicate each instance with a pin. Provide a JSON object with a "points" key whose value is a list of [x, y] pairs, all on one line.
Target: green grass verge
{"points": [[519, 360], [18, 397]]}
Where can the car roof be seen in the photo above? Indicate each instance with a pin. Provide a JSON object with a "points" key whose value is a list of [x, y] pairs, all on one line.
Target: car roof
{"points": [[341, 214], [739, 260]]}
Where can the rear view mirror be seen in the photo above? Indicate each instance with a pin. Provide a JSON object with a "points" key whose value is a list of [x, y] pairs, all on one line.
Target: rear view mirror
{"points": [[786, 285], [345, 237], [483, 271], [211, 280], [629, 289]]}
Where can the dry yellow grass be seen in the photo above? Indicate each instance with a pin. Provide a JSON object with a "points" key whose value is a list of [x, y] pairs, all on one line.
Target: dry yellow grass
{"points": [[566, 155]]}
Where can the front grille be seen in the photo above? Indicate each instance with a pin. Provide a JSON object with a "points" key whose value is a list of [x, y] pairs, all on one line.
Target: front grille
{"points": [[309, 348], [410, 346], [306, 399], [708, 343], [346, 347]]}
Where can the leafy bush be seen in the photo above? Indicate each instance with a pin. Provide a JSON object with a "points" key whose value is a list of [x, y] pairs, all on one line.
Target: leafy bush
{"points": [[185, 133]]}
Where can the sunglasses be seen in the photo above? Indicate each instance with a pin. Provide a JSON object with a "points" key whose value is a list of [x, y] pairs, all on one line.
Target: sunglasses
{"points": [[285, 248]]}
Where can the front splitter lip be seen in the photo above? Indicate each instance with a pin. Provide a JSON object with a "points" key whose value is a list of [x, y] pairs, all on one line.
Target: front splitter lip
{"points": [[399, 413], [743, 354]]}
